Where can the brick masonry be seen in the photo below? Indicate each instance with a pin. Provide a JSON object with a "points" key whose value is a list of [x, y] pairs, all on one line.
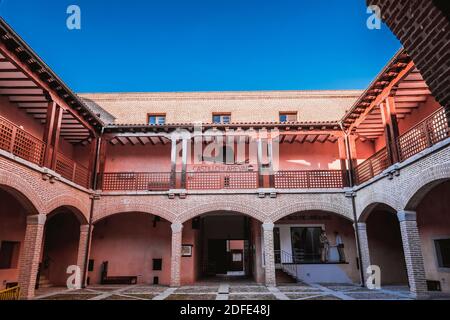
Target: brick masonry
{"points": [[175, 263], [269, 255], [424, 31], [413, 253], [364, 247], [31, 253]]}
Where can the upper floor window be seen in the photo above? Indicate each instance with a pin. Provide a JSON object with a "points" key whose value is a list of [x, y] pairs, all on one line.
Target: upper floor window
{"points": [[288, 116], [157, 119], [222, 118]]}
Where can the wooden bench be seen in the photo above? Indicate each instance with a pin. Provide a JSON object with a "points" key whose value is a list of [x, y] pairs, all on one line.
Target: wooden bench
{"points": [[116, 279]]}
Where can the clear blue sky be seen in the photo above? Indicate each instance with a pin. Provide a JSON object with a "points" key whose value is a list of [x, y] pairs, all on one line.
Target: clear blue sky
{"points": [[205, 45]]}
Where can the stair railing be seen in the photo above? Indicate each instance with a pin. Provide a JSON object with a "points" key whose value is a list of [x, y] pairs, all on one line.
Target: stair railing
{"points": [[288, 264]]}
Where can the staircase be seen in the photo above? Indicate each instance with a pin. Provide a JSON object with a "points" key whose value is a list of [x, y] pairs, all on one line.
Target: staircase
{"points": [[283, 277], [44, 282], [289, 270]]}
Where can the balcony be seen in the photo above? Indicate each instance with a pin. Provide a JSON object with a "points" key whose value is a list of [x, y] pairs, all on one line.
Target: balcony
{"points": [[214, 180], [22, 144], [425, 134]]}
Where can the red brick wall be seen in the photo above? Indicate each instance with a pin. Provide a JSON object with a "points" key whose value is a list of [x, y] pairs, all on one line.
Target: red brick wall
{"points": [[424, 31]]}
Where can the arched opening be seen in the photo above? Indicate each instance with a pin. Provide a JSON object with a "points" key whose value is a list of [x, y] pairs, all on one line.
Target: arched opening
{"points": [[130, 247], [224, 246], [60, 246], [315, 247], [14, 210], [432, 205], [385, 244]]}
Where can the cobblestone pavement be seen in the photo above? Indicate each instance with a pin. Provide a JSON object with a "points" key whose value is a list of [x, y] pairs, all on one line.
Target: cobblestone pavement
{"points": [[227, 291]]}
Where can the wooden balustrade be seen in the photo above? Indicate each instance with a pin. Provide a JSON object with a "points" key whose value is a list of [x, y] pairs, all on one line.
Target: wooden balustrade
{"points": [[310, 179], [222, 180], [21, 143], [136, 181], [73, 171], [10, 294], [372, 166], [424, 135]]}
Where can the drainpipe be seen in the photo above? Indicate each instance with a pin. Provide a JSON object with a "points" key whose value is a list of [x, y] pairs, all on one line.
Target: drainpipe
{"points": [[91, 214], [355, 217]]}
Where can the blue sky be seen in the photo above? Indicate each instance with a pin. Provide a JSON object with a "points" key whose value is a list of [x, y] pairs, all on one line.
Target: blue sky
{"points": [[205, 45]]}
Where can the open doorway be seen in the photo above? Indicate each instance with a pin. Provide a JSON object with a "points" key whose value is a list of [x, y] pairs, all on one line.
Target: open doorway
{"points": [[226, 257], [227, 249]]}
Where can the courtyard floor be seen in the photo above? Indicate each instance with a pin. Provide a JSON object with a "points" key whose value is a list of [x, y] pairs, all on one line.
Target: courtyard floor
{"points": [[226, 291]]}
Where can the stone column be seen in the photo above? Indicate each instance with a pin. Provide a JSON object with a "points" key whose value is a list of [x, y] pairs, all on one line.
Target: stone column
{"points": [[269, 254], [413, 253], [31, 255], [84, 246], [175, 263], [361, 228]]}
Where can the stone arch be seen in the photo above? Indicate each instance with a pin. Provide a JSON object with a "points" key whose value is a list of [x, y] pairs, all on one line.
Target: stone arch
{"points": [[422, 183], [80, 208], [336, 208], [222, 206], [112, 210], [22, 190], [365, 213]]}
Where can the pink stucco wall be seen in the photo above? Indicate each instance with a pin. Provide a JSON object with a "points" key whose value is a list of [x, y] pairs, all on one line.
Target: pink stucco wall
{"points": [[12, 228], [62, 234], [433, 220], [385, 246], [130, 242]]}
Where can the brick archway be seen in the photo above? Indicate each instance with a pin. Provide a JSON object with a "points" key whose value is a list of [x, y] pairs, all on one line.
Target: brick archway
{"points": [[336, 208], [79, 208], [222, 206], [373, 206], [374, 199], [114, 209], [21, 189], [422, 183]]}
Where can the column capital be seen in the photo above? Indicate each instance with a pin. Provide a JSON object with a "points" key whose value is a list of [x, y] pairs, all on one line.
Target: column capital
{"points": [[268, 226], [85, 228], [360, 225], [405, 215], [177, 227], [38, 219]]}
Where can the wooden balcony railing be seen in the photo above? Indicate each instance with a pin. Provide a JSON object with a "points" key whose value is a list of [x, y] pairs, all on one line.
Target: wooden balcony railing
{"points": [[310, 179], [136, 181], [372, 166], [221, 180], [20, 143], [424, 135], [72, 170]]}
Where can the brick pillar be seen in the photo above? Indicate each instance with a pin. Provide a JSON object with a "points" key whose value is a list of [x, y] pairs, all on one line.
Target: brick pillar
{"points": [[269, 254], [83, 251], [175, 262], [31, 254], [364, 247], [413, 253]]}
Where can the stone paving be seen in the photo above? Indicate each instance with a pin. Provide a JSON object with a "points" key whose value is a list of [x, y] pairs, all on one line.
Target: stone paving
{"points": [[227, 291]]}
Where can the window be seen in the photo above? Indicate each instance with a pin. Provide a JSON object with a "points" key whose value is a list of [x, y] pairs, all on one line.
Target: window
{"points": [[306, 244], [9, 254], [443, 252], [222, 118], [288, 116], [157, 264], [157, 119]]}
